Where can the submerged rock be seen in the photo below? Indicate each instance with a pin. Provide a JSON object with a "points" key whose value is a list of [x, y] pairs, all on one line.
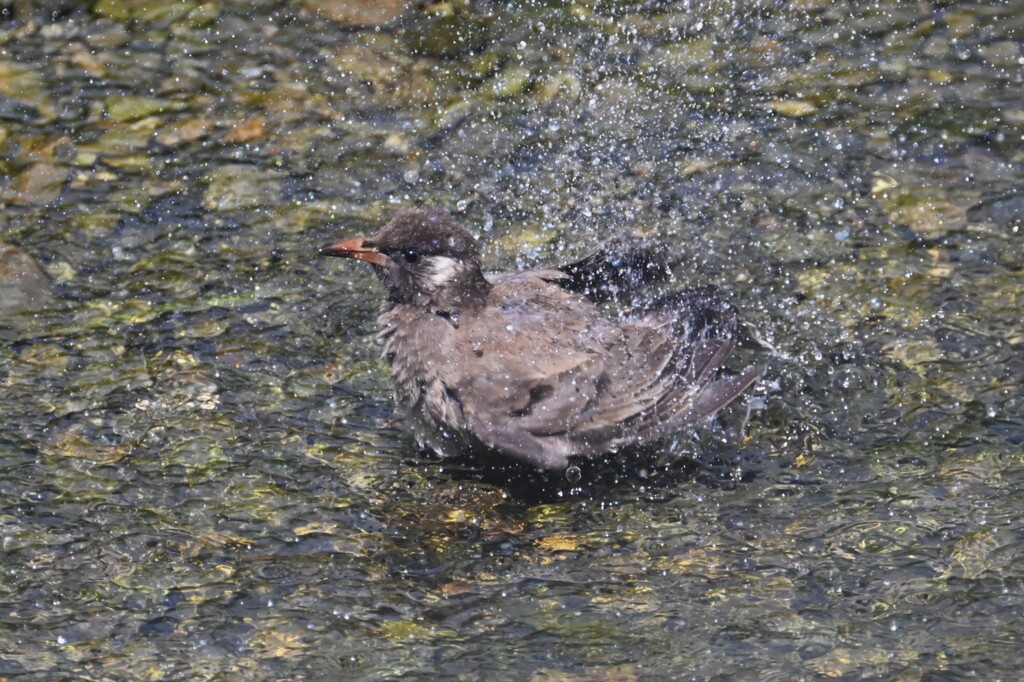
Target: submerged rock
{"points": [[39, 184], [446, 35], [364, 13], [1003, 209], [238, 186], [24, 285]]}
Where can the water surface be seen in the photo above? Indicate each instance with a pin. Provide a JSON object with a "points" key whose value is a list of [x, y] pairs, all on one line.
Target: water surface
{"points": [[201, 476]]}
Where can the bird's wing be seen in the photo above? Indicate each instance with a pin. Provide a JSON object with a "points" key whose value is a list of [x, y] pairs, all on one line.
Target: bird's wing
{"points": [[619, 270], [545, 404], [542, 395], [531, 374], [703, 330], [567, 382], [544, 410], [651, 394]]}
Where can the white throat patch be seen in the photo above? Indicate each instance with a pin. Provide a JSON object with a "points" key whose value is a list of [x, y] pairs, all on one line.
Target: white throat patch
{"points": [[440, 271]]}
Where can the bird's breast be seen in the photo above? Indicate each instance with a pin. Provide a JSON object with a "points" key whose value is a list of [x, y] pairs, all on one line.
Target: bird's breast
{"points": [[421, 349], [419, 346]]}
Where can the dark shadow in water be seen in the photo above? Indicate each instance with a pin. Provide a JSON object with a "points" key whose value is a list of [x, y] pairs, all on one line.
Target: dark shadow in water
{"points": [[656, 471]]}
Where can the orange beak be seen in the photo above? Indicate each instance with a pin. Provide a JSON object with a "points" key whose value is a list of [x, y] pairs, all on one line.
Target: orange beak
{"points": [[355, 249]]}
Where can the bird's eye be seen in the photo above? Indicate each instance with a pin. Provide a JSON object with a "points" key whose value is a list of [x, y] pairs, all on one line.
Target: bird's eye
{"points": [[410, 256]]}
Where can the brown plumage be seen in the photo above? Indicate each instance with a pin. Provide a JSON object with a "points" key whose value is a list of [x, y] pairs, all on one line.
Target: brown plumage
{"points": [[525, 365]]}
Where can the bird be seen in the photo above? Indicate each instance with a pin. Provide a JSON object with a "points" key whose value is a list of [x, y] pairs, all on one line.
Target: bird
{"points": [[525, 365]]}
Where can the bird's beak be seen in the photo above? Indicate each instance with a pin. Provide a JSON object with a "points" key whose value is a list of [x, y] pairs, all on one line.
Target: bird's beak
{"points": [[355, 249]]}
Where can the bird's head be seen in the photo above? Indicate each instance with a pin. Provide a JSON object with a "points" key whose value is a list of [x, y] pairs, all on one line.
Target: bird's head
{"points": [[423, 257]]}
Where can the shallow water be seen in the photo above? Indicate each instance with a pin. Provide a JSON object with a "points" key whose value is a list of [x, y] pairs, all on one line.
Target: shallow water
{"points": [[201, 476]]}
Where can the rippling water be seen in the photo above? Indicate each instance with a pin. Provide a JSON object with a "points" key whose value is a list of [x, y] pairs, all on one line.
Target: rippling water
{"points": [[201, 477]]}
